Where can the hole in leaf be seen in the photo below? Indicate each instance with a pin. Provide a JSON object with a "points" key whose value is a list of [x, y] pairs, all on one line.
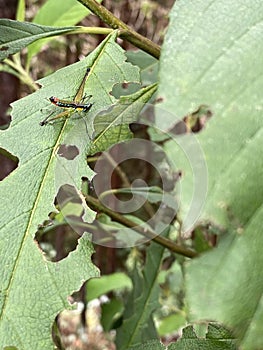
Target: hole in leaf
{"points": [[69, 152], [5, 122], [84, 325], [57, 241], [59, 235], [193, 122], [8, 162]]}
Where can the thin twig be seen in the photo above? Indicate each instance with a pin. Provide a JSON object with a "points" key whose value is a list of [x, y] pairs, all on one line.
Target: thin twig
{"points": [[146, 232], [118, 169]]}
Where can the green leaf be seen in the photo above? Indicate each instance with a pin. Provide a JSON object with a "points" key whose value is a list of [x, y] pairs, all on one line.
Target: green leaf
{"points": [[112, 125], [110, 313], [116, 281], [217, 338], [32, 288], [138, 324], [171, 323], [148, 69], [231, 90], [200, 242], [149, 345], [17, 35], [217, 62], [206, 62], [61, 13], [148, 65], [221, 282]]}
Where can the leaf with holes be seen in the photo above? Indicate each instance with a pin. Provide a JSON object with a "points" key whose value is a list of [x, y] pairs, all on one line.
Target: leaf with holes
{"points": [[32, 288], [217, 61], [217, 338], [148, 65]]}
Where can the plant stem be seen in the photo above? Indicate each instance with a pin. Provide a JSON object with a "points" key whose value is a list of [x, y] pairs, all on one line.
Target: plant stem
{"points": [[147, 232], [125, 31], [21, 73]]}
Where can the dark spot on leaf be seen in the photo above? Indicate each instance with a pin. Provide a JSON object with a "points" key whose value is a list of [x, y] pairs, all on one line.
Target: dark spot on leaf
{"points": [[159, 99], [177, 175], [4, 48], [68, 151], [125, 89]]}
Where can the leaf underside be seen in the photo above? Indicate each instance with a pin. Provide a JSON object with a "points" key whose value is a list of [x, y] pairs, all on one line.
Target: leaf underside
{"points": [[17, 35]]}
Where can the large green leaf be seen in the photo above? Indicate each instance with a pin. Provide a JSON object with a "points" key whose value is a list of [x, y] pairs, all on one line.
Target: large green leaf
{"points": [[216, 60], [224, 284], [222, 70], [17, 35], [31, 288], [138, 325]]}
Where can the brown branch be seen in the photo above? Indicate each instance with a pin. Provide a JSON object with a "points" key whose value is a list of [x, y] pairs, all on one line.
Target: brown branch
{"points": [[125, 31], [146, 232]]}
